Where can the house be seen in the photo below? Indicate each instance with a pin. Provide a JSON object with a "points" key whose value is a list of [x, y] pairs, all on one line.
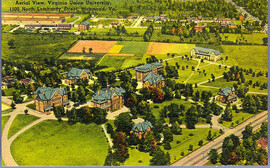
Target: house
{"points": [[224, 20], [232, 25], [206, 53], [198, 28], [263, 143], [148, 74], [26, 81], [83, 26], [63, 26], [163, 17], [46, 98], [108, 99], [227, 95], [113, 24], [75, 75], [141, 129]]}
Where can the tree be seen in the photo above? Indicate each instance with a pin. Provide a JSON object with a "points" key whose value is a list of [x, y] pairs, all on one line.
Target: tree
{"points": [[112, 159], [247, 132], [11, 43], [175, 129], [200, 143], [123, 123], [120, 145], [160, 158], [167, 145], [109, 128], [196, 97], [209, 136], [213, 156], [13, 105], [59, 112], [90, 50], [190, 147], [227, 116], [168, 136], [26, 112], [191, 118], [149, 143]]}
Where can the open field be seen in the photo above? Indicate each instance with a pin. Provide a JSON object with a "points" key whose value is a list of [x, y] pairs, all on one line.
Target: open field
{"points": [[69, 20], [19, 122], [164, 48], [185, 140], [255, 38], [137, 158], [61, 144], [7, 111], [96, 46], [35, 47], [81, 56], [116, 49], [4, 121], [254, 57], [133, 47]]}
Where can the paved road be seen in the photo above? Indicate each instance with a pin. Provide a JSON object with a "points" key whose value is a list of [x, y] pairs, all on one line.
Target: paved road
{"points": [[199, 62], [242, 10], [199, 157], [137, 22]]}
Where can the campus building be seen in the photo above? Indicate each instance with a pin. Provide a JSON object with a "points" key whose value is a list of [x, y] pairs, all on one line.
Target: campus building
{"points": [[227, 95], [109, 99], [75, 75], [83, 26], [141, 129], [46, 98], [206, 53]]}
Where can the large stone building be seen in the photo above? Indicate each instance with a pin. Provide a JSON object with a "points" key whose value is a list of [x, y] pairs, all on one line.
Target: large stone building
{"points": [[227, 95], [148, 74], [46, 98], [83, 26], [109, 99], [206, 53], [75, 75], [141, 129]]}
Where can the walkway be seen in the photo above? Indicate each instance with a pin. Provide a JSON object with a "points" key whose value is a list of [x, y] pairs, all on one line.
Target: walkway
{"points": [[107, 135]]}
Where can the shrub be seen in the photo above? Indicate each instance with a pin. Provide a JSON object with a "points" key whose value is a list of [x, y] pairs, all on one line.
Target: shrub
{"points": [[190, 134]]}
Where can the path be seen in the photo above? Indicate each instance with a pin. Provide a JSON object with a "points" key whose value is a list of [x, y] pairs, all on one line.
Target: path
{"points": [[193, 72], [107, 135], [137, 22], [199, 156], [14, 29], [76, 19]]}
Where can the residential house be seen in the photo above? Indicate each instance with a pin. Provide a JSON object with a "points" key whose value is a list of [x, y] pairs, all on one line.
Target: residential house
{"points": [[75, 75], [154, 80], [46, 98], [141, 129], [83, 26], [263, 143], [227, 95], [206, 53], [108, 99]]}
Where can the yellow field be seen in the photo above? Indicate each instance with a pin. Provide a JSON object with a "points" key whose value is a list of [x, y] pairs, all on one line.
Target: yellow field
{"points": [[116, 49], [164, 48]]}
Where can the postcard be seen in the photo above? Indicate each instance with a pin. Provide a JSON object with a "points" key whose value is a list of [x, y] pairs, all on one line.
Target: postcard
{"points": [[134, 82]]}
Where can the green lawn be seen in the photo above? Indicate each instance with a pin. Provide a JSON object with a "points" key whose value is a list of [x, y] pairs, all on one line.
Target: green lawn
{"points": [[254, 57], [5, 106], [240, 117], [83, 16], [8, 91], [69, 20], [61, 144], [7, 111], [186, 140], [255, 38], [29, 98], [222, 83], [112, 62], [20, 122], [156, 111], [4, 121], [211, 69], [212, 90], [133, 47], [137, 158]]}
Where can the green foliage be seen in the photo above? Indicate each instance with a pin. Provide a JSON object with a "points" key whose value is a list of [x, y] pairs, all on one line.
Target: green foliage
{"points": [[123, 123], [160, 158], [213, 156]]}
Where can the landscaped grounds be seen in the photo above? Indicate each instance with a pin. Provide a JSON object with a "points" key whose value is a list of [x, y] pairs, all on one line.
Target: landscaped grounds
{"points": [[53, 143]]}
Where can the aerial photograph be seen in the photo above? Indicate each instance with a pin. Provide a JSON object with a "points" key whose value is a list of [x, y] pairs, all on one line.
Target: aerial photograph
{"points": [[134, 83]]}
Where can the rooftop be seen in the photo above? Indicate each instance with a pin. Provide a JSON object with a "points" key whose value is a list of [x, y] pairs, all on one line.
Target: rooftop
{"points": [[226, 91], [106, 94], [46, 93], [149, 67], [142, 127], [152, 78], [206, 51], [75, 73]]}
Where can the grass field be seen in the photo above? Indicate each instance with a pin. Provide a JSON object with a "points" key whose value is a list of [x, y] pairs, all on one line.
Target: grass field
{"points": [[211, 69], [4, 121], [254, 57], [69, 20], [186, 140], [95, 45], [164, 48], [7, 111], [112, 63], [116, 49], [255, 38], [61, 144], [137, 158], [240, 117], [20, 122], [81, 56], [133, 47], [35, 47], [222, 83], [83, 16]]}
